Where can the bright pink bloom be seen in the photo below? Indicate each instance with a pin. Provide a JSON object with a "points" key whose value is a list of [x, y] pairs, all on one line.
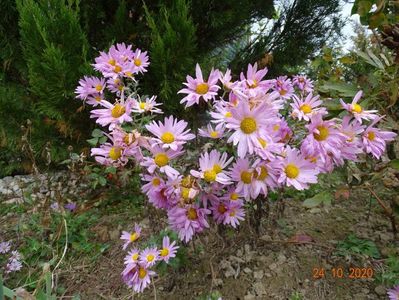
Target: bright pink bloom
{"points": [[253, 83], [393, 293], [168, 250], [308, 107], [140, 61], [137, 276], [110, 155], [188, 220], [172, 134], [199, 88], [374, 139], [358, 112], [296, 171], [113, 114], [90, 86], [149, 257]]}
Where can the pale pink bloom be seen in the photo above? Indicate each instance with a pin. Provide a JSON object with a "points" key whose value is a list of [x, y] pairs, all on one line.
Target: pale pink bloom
{"points": [[131, 237], [137, 276], [161, 159], [280, 130], [225, 79], [140, 61], [228, 212], [324, 139], [95, 99], [212, 165], [89, 86], [357, 111], [231, 195], [199, 87], [303, 83], [113, 114], [168, 250], [132, 257], [115, 85], [353, 144], [110, 155], [130, 142], [266, 174], [170, 134], [296, 171], [253, 83], [269, 145], [374, 139], [188, 220], [209, 132], [149, 257], [117, 62], [154, 183], [148, 105], [306, 108], [248, 126], [222, 112], [284, 87], [243, 174]]}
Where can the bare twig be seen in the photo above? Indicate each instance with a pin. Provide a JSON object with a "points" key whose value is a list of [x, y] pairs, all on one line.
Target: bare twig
{"points": [[63, 253]]}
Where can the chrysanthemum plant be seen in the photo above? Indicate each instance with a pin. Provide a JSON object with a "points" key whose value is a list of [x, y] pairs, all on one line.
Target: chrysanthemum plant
{"points": [[281, 136]]}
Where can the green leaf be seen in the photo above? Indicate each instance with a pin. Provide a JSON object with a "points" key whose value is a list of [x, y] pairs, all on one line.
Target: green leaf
{"points": [[97, 133], [93, 141], [323, 197], [343, 89], [364, 7], [394, 163], [111, 170]]}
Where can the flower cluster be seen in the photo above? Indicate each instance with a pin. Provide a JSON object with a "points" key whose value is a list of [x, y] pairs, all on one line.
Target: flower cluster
{"points": [[13, 258], [139, 263], [281, 133]]}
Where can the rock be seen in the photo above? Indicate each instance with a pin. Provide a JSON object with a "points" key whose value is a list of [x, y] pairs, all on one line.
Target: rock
{"points": [[236, 259], [273, 266], [247, 248], [259, 288], [247, 270], [258, 274], [240, 253], [249, 296], [13, 200], [281, 258], [218, 282], [114, 235], [266, 237], [380, 290]]}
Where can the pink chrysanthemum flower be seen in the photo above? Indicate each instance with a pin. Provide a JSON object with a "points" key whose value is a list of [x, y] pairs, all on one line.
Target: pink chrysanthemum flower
{"points": [[296, 171], [5, 247], [168, 250], [284, 87], [353, 144], [137, 277], [116, 62], [209, 132], [225, 79], [324, 139], [303, 83], [172, 134], [212, 166], [228, 212], [115, 85], [148, 105], [140, 61], [89, 86], [358, 112], [266, 174], [113, 114], [154, 182], [374, 139], [132, 256], [199, 88], [131, 237], [231, 195], [269, 146], [149, 257], [253, 82], [242, 173], [248, 125], [188, 220], [308, 107], [110, 155], [222, 112], [281, 130], [393, 293], [160, 160]]}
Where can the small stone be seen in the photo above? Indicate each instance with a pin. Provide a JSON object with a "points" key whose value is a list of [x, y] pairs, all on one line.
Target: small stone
{"points": [[114, 235], [249, 297], [239, 252], [380, 290], [259, 288], [218, 282], [315, 210], [258, 274], [236, 259], [273, 266], [268, 275], [266, 237], [281, 258], [247, 248], [247, 270]]}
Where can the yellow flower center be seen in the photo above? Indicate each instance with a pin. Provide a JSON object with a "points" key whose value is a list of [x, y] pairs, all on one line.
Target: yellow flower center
{"points": [[232, 213], [222, 208], [262, 142], [115, 153], [142, 273], [118, 110], [135, 256], [233, 196], [254, 84], [323, 133], [276, 127], [164, 252], [117, 69], [185, 193], [283, 92], [248, 125], [209, 175], [186, 181], [150, 257], [128, 139], [371, 135], [217, 168], [112, 62], [292, 171], [137, 62], [306, 108], [202, 88], [129, 74], [263, 173], [98, 98], [214, 134], [228, 114], [142, 105], [246, 177], [120, 87], [357, 108], [161, 159], [168, 137], [156, 181], [99, 87], [192, 214], [134, 237]]}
